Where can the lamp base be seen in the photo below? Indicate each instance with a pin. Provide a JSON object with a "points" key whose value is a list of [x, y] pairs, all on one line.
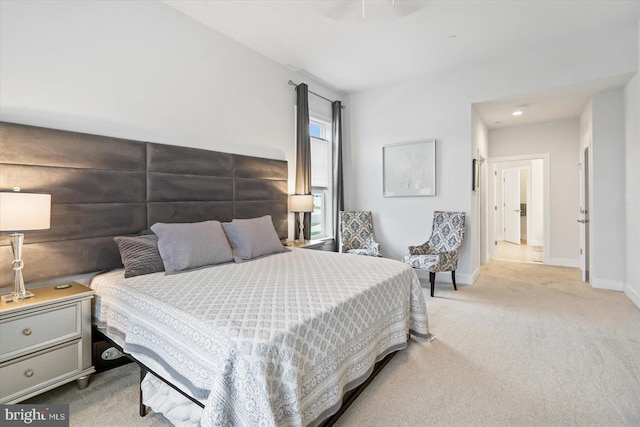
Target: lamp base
{"points": [[13, 297], [19, 292], [301, 227]]}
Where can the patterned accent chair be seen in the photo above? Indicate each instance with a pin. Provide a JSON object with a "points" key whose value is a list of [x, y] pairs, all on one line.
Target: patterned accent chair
{"points": [[356, 234], [440, 252]]}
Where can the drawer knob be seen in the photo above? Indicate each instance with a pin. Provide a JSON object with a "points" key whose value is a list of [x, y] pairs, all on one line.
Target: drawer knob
{"points": [[27, 331], [28, 373]]}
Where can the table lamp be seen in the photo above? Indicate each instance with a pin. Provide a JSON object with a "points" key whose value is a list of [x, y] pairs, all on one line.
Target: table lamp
{"points": [[301, 203], [22, 212]]}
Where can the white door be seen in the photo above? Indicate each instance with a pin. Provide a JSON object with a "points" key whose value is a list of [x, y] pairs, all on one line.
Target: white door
{"points": [[511, 185], [583, 218]]}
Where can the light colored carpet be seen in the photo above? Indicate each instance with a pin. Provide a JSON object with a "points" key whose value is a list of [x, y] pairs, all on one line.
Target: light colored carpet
{"points": [[111, 400], [526, 345]]}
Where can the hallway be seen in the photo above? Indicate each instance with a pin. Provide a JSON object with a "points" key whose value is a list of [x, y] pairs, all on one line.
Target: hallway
{"points": [[507, 251]]}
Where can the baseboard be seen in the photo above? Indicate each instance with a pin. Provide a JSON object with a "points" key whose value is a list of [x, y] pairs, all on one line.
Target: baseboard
{"points": [[564, 262], [612, 285], [474, 276], [445, 277], [633, 294]]}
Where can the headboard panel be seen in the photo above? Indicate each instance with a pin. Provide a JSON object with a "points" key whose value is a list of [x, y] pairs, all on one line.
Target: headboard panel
{"points": [[78, 185], [260, 188], [189, 161], [29, 145], [169, 187], [189, 211], [104, 187]]}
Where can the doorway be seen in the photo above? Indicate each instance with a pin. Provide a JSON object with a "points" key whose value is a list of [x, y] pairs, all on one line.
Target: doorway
{"points": [[514, 200], [520, 209]]}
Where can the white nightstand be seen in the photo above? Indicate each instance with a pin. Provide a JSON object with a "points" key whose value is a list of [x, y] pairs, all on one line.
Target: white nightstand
{"points": [[45, 341]]}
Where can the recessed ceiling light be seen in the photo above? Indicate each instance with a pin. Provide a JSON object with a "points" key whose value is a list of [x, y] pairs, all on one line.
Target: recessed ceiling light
{"points": [[517, 113]]}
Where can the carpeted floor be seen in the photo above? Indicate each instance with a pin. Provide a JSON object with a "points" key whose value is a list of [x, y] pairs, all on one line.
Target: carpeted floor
{"points": [[526, 345]]}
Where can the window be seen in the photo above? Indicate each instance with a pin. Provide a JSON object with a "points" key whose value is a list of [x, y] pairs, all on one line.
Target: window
{"points": [[321, 173], [316, 130]]}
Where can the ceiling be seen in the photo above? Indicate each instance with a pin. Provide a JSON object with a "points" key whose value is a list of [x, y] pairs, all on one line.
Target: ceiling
{"points": [[397, 40], [555, 104]]}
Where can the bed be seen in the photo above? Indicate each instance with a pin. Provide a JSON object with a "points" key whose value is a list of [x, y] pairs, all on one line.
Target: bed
{"points": [[273, 341]]}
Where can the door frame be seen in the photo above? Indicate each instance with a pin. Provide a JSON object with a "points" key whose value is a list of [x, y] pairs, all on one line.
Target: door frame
{"points": [[546, 188]]}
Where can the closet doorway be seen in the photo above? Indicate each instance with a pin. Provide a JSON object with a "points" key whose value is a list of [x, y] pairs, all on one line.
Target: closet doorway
{"points": [[519, 210]]}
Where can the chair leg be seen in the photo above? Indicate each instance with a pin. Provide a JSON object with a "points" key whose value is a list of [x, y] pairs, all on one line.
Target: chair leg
{"points": [[453, 278], [432, 279]]}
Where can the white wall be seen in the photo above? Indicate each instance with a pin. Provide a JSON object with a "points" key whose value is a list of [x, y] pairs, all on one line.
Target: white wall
{"points": [[609, 125], [632, 154], [439, 106], [559, 138], [607, 213], [144, 71], [480, 150], [140, 70], [536, 212], [396, 114]]}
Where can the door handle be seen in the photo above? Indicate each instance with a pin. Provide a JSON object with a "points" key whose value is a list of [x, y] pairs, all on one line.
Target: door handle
{"points": [[516, 210], [583, 221]]}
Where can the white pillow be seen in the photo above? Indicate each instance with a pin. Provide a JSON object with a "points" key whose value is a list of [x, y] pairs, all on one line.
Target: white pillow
{"points": [[191, 245]]}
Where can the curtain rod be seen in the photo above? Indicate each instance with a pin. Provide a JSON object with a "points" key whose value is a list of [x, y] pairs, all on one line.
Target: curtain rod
{"points": [[313, 93]]}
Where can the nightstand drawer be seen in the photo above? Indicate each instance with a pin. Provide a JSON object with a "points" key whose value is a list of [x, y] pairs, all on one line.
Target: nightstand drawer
{"points": [[29, 332], [36, 371]]}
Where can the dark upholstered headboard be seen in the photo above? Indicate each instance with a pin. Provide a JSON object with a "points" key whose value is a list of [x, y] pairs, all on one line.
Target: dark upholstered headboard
{"points": [[103, 187]]}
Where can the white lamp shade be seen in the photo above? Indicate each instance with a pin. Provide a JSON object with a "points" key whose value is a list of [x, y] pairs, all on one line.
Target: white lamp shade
{"points": [[302, 203], [24, 211]]}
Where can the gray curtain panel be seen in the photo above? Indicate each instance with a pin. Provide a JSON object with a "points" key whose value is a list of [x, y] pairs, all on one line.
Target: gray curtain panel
{"points": [[338, 192], [303, 154]]}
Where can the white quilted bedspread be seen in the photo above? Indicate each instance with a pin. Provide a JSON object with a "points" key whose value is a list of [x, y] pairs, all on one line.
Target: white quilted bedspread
{"points": [[273, 341]]}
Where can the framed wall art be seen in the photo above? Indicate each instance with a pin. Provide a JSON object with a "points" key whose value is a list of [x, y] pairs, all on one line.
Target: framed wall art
{"points": [[409, 169]]}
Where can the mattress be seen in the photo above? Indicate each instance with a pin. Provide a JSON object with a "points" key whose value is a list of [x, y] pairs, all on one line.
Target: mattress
{"points": [[273, 341]]}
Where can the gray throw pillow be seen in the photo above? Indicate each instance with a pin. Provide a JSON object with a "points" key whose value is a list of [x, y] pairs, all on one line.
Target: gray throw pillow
{"points": [[252, 238], [192, 245], [139, 255]]}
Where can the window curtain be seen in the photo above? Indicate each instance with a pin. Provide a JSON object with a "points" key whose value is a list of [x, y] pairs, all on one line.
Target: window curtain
{"points": [[303, 154], [338, 187]]}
